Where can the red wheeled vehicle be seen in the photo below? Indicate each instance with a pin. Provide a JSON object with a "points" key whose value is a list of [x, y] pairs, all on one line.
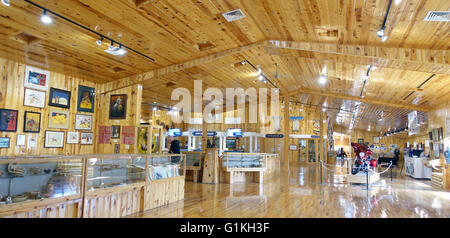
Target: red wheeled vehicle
{"points": [[363, 159]]}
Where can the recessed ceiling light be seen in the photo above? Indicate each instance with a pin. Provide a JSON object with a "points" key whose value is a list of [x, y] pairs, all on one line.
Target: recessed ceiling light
{"points": [[6, 2], [46, 19], [322, 79]]}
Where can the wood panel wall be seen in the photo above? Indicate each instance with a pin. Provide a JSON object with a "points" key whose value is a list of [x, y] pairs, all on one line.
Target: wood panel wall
{"points": [[12, 97], [133, 115]]}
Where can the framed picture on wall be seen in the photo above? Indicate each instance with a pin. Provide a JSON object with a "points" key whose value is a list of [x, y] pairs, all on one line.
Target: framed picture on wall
{"points": [[4, 142], [361, 141], [36, 78], [72, 137], [376, 140], [118, 106], [32, 122], [86, 98], [8, 120], [83, 122], [59, 98], [87, 138], [115, 132], [54, 139], [58, 119], [34, 98], [21, 140]]}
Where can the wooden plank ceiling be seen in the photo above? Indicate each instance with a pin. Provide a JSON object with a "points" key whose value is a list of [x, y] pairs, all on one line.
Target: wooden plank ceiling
{"points": [[170, 31]]}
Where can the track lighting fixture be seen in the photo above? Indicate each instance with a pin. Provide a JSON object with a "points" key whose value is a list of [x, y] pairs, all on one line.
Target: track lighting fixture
{"points": [[261, 77], [46, 19], [380, 33], [6, 2], [99, 42]]}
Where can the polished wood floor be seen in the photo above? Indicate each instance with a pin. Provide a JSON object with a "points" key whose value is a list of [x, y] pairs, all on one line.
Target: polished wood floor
{"points": [[297, 192]]}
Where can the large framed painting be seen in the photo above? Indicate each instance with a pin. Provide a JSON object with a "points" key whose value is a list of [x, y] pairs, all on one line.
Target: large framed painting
{"points": [[83, 122], [36, 78], [4, 142], [59, 98], [86, 97], [54, 139], [58, 119], [34, 98], [8, 120], [118, 106], [32, 122], [87, 138]]}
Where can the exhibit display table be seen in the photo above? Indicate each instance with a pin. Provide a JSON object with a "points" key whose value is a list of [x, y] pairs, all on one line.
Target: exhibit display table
{"points": [[248, 167], [415, 167]]}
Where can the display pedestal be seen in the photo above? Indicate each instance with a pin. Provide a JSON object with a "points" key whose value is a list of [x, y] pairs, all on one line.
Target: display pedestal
{"points": [[361, 178]]}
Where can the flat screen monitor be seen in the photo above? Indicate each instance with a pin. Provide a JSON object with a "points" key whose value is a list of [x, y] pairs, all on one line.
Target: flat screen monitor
{"points": [[231, 144], [234, 132], [175, 132]]}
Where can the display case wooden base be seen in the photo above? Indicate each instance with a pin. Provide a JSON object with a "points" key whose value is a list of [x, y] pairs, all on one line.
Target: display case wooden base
{"points": [[67, 207], [163, 192], [361, 178]]}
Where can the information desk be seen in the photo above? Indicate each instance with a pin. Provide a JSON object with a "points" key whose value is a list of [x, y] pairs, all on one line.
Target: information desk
{"points": [[247, 167], [89, 185], [414, 167]]}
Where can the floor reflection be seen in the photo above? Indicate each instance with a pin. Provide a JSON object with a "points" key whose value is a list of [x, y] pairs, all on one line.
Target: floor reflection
{"points": [[296, 192]]}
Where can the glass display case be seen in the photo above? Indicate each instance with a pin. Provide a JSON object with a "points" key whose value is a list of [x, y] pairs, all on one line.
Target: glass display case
{"points": [[105, 171], [193, 159], [166, 166], [244, 160], [34, 178]]}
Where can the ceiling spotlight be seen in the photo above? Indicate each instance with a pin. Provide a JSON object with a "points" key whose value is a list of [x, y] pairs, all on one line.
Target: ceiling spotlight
{"points": [[384, 38], [322, 79], [155, 108], [380, 33], [99, 42], [261, 77], [324, 109], [259, 70], [121, 51], [46, 19], [397, 2], [6, 2]]}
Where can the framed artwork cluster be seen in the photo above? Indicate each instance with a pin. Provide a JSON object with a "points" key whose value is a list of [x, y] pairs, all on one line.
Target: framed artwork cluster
{"points": [[36, 85]]}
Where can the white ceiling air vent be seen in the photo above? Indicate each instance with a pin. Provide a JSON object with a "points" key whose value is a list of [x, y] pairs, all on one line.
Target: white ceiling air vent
{"points": [[233, 15], [438, 16]]}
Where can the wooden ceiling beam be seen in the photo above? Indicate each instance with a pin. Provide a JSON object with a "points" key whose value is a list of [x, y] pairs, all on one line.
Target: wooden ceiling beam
{"points": [[436, 61], [354, 98], [140, 78], [423, 60]]}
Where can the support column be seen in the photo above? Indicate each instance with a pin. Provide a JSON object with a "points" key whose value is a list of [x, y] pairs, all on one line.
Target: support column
{"points": [[321, 137], [251, 144], [286, 131]]}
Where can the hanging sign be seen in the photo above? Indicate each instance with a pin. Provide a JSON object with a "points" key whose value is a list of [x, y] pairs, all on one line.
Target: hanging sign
{"points": [[296, 118], [200, 133], [274, 135]]}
